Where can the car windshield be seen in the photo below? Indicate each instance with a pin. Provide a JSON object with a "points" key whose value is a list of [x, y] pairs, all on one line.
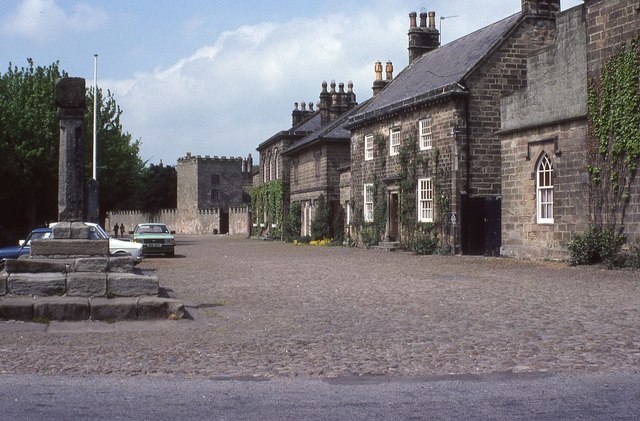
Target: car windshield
{"points": [[152, 229], [38, 236]]}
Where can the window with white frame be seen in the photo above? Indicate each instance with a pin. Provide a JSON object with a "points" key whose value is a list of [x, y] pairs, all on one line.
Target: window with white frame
{"points": [[544, 190], [425, 135], [368, 147], [425, 200], [368, 202], [394, 141]]}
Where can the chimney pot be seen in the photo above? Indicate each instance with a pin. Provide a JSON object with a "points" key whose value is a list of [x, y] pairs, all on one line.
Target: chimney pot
{"points": [[333, 86], [412, 19], [378, 70], [389, 70], [324, 86], [303, 106], [350, 86], [295, 105], [423, 20], [341, 88], [432, 21]]}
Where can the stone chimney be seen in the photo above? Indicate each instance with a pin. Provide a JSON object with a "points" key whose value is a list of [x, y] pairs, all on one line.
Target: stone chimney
{"points": [[298, 115], [424, 38], [378, 83], [334, 103], [542, 8]]}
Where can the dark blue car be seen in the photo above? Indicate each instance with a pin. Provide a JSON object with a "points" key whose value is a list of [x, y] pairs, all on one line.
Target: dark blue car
{"points": [[24, 246]]}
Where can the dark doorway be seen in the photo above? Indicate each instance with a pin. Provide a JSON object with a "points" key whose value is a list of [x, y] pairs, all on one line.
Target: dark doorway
{"points": [[393, 216], [224, 221], [480, 226]]}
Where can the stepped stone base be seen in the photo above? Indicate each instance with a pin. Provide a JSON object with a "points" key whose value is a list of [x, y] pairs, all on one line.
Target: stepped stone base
{"points": [[108, 288]]}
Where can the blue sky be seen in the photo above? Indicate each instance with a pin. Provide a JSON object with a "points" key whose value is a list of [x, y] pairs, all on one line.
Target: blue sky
{"points": [[214, 77]]}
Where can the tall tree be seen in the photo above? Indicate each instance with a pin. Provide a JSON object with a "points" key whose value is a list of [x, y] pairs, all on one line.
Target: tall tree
{"points": [[29, 147], [29, 139]]}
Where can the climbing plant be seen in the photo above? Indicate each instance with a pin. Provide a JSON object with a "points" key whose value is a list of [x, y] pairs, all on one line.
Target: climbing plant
{"points": [[613, 141], [267, 203]]}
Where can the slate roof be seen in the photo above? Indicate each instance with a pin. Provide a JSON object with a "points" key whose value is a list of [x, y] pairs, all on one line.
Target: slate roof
{"points": [[440, 71], [332, 132], [308, 125]]}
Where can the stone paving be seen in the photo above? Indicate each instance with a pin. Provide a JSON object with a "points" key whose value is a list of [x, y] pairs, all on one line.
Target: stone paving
{"points": [[267, 309]]}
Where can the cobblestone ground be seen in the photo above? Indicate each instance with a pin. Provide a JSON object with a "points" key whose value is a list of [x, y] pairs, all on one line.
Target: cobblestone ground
{"points": [[270, 309]]}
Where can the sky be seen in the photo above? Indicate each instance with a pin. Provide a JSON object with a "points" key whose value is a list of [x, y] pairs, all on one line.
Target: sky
{"points": [[217, 78]]}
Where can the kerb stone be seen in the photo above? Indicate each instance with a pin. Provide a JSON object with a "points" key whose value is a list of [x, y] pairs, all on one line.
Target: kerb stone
{"points": [[62, 308], [131, 285], [40, 284], [92, 264], [16, 308], [125, 308], [160, 308], [87, 284]]}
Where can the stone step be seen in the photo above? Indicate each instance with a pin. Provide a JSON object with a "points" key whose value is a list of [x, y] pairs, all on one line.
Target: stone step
{"points": [[388, 246], [83, 284], [44, 309]]}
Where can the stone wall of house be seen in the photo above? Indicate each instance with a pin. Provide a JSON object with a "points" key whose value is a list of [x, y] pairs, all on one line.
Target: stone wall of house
{"points": [[502, 74], [442, 158], [610, 24], [317, 172], [522, 235], [548, 117]]}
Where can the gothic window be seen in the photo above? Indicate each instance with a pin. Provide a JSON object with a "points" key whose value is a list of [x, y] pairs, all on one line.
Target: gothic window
{"points": [[394, 141], [544, 190], [425, 200], [425, 134]]}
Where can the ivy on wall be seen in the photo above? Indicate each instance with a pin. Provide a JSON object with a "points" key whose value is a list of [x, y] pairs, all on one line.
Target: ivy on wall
{"points": [[613, 142], [267, 203]]}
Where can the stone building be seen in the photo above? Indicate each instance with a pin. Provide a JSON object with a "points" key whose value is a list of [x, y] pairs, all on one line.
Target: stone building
{"points": [[307, 156], [545, 182], [212, 196], [425, 149], [316, 159]]}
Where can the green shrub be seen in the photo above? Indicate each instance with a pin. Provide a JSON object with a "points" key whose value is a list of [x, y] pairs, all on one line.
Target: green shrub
{"points": [[292, 224], [425, 240], [595, 246], [321, 224], [369, 236]]}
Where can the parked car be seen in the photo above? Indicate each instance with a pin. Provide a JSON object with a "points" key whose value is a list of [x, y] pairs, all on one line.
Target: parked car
{"points": [[116, 247], [155, 239], [24, 246]]}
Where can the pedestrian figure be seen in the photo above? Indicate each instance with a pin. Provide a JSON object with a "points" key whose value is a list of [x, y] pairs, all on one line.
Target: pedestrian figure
{"points": [[121, 230], [115, 230]]}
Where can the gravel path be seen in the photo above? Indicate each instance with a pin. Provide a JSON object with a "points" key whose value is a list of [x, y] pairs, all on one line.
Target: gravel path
{"points": [[267, 309]]}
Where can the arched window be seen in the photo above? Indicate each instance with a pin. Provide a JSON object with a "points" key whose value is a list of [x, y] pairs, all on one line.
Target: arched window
{"points": [[277, 164], [544, 190]]}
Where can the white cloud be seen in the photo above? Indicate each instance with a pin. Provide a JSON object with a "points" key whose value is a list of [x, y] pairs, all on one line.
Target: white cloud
{"points": [[42, 19], [231, 95], [228, 97]]}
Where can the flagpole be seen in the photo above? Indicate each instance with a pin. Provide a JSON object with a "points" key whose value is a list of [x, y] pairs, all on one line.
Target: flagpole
{"points": [[95, 115]]}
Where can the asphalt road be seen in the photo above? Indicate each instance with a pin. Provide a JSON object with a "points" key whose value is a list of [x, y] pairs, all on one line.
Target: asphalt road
{"points": [[490, 397]]}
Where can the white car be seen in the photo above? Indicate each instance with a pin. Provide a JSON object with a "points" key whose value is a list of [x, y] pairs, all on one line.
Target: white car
{"points": [[116, 247]]}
